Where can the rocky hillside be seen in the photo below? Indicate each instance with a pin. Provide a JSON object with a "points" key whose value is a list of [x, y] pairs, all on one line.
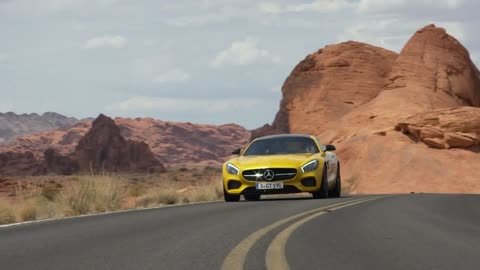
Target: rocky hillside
{"points": [[171, 142], [402, 123], [101, 149], [13, 125]]}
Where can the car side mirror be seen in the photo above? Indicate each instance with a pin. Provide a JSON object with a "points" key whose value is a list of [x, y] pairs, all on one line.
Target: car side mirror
{"points": [[330, 147], [236, 151]]}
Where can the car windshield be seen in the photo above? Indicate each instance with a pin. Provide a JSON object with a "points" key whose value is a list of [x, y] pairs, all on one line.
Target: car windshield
{"points": [[282, 145]]}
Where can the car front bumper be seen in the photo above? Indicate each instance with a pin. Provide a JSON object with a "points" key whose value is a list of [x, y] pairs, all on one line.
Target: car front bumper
{"points": [[302, 182]]}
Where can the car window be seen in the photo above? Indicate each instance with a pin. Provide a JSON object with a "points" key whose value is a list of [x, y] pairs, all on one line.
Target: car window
{"points": [[279, 146]]}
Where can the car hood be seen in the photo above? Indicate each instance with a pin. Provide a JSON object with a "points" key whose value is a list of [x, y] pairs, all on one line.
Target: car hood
{"points": [[273, 161]]}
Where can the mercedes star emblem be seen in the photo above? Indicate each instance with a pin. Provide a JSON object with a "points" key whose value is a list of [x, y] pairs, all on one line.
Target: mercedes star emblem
{"points": [[268, 175]]}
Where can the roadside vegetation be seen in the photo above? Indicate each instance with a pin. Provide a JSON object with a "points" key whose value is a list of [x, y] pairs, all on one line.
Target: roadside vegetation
{"points": [[56, 196]]}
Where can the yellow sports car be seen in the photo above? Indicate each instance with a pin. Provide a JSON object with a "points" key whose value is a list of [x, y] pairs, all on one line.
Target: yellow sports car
{"points": [[281, 164]]}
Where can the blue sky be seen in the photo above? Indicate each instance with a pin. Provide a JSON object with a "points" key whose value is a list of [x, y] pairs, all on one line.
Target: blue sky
{"points": [[202, 61]]}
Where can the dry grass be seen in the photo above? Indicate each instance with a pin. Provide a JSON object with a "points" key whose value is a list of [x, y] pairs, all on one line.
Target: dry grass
{"points": [[173, 195], [90, 194], [210, 192], [7, 214], [56, 196], [27, 212], [348, 183]]}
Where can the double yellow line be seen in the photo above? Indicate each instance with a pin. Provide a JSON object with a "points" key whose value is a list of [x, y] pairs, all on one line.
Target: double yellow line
{"points": [[275, 257]]}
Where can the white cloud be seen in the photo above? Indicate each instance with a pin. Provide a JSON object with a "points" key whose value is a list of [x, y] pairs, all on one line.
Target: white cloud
{"points": [[272, 8], [395, 6], [242, 53], [372, 6], [455, 29], [276, 88], [389, 33], [392, 34], [322, 6], [6, 106], [175, 105], [197, 20], [174, 75], [3, 57], [107, 41], [66, 5]]}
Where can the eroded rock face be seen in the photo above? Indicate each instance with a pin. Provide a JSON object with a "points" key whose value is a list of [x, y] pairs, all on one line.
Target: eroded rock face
{"points": [[457, 127], [12, 163], [330, 83], [58, 164], [103, 148], [171, 142], [425, 91], [177, 142], [438, 67]]}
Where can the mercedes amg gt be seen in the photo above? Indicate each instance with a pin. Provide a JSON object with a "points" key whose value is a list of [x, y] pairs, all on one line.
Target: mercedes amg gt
{"points": [[282, 164]]}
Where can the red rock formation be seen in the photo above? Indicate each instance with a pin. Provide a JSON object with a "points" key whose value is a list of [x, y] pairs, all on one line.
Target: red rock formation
{"points": [[457, 127], [330, 83], [171, 142], [437, 68], [12, 163], [103, 148], [424, 93], [58, 164]]}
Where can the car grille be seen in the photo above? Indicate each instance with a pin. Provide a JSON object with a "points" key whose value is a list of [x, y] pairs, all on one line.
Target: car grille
{"points": [[280, 174]]}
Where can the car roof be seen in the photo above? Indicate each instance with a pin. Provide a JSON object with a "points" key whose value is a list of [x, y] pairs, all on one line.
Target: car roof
{"points": [[284, 136]]}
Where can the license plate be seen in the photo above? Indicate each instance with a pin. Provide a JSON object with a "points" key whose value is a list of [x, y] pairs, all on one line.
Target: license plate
{"points": [[273, 185]]}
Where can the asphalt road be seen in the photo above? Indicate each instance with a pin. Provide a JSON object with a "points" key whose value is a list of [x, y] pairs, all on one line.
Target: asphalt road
{"points": [[419, 231]]}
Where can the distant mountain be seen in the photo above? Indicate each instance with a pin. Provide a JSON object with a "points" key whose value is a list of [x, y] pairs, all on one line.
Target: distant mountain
{"points": [[171, 143], [13, 125]]}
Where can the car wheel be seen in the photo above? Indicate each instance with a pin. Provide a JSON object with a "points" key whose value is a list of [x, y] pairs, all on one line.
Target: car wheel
{"points": [[323, 191], [230, 197], [252, 197], [337, 191]]}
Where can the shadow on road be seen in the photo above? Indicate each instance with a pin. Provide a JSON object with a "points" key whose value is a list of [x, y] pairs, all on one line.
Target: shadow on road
{"points": [[293, 198]]}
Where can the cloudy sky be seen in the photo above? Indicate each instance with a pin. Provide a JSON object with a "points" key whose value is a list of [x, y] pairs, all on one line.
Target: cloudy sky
{"points": [[202, 61]]}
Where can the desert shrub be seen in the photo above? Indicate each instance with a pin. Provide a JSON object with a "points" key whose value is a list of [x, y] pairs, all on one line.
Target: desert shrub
{"points": [[7, 214], [159, 196], [208, 192], [109, 194], [49, 192], [144, 201], [91, 194], [136, 190], [27, 211], [183, 169], [166, 196], [212, 169], [197, 175], [27, 190]]}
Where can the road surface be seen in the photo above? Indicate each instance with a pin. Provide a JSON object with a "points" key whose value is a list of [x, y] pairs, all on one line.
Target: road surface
{"points": [[418, 231]]}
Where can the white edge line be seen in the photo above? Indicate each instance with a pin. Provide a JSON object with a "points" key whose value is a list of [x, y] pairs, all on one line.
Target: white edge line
{"points": [[104, 213]]}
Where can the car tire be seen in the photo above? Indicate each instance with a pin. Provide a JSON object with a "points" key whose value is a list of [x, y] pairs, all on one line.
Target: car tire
{"points": [[337, 190], [323, 191], [230, 197], [252, 197]]}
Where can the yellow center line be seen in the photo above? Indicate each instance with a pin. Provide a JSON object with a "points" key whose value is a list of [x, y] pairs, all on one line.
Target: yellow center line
{"points": [[235, 260], [275, 258]]}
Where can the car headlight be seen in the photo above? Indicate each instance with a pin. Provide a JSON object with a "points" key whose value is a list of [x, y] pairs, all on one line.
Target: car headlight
{"points": [[231, 169], [310, 166]]}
